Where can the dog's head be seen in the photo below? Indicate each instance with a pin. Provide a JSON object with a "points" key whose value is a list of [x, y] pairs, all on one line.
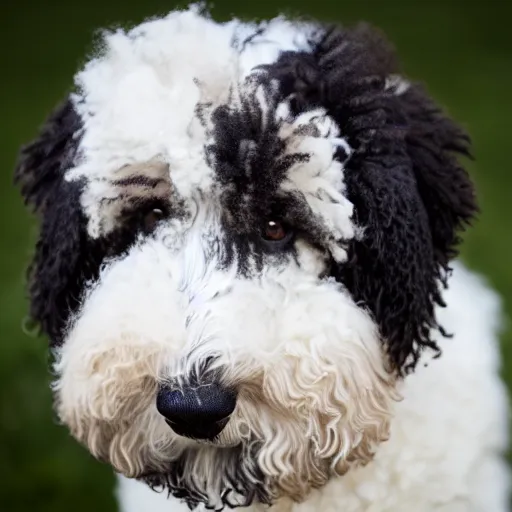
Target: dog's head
{"points": [[244, 233]]}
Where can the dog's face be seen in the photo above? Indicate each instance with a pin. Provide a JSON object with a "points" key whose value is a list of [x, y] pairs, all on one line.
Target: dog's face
{"points": [[244, 231]]}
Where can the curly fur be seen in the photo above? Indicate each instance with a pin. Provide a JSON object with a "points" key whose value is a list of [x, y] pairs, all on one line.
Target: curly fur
{"points": [[402, 177], [155, 181]]}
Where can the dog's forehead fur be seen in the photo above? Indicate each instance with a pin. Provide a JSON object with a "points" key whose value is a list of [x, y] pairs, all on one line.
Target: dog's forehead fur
{"points": [[282, 118], [219, 127]]}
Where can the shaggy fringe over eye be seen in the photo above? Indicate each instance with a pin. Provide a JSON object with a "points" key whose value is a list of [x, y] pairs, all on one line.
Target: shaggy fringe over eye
{"points": [[409, 192]]}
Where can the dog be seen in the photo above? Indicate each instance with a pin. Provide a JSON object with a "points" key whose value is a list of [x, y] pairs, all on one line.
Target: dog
{"points": [[247, 270]]}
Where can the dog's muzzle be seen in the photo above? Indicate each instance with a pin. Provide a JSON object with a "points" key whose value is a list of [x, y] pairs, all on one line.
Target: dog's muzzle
{"points": [[199, 412]]}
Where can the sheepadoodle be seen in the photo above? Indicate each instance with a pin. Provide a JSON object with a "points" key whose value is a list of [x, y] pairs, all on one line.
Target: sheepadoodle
{"points": [[247, 272]]}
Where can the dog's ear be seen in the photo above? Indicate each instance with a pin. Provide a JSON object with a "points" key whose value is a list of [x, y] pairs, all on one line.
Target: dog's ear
{"points": [[434, 142], [409, 192], [53, 274], [413, 198]]}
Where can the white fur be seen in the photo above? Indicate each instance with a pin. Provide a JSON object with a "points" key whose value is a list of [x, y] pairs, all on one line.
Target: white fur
{"points": [[148, 69], [162, 310], [320, 179], [446, 437], [319, 396]]}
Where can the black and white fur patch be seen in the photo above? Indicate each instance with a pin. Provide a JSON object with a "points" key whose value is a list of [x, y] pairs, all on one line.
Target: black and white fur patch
{"points": [[300, 122]]}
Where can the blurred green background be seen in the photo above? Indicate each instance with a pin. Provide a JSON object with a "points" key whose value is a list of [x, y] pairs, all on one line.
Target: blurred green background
{"points": [[461, 49]]}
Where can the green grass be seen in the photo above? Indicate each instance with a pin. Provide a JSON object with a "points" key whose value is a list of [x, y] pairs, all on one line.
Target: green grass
{"points": [[462, 50]]}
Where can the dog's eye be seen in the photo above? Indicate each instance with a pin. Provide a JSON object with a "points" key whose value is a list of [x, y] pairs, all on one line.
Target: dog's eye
{"points": [[151, 219], [275, 231]]}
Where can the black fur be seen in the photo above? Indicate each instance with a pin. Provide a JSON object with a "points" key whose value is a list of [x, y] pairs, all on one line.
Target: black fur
{"points": [[59, 263], [409, 192], [250, 163], [239, 478], [408, 189]]}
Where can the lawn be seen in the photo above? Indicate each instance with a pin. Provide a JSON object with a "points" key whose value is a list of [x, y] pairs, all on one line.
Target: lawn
{"points": [[461, 49]]}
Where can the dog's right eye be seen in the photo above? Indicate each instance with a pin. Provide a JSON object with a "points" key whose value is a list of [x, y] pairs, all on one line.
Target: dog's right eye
{"points": [[151, 219]]}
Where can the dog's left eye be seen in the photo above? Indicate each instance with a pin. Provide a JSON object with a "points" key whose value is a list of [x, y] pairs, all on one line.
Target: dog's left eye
{"points": [[275, 231]]}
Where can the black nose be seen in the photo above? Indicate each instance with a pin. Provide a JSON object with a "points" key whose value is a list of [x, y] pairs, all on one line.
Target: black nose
{"points": [[200, 412]]}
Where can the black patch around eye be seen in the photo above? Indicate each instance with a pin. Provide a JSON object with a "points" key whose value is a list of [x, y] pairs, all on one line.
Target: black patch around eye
{"points": [[139, 218], [151, 220], [249, 161], [281, 244], [409, 192], [149, 216]]}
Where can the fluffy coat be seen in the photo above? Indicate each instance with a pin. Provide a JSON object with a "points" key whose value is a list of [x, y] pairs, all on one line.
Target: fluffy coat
{"points": [[271, 210]]}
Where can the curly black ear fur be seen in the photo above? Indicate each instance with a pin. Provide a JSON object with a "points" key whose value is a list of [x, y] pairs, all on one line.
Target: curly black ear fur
{"points": [[409, 192], [433, 142], [56, 272]]}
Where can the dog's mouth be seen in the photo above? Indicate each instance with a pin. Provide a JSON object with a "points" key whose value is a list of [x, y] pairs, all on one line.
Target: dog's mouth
{"points": [[214, 475], [224, 441]]}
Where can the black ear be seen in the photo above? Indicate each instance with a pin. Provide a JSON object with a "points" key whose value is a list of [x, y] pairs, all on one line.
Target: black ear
{"points": [[413, 197], [54, 278], [409, 192], [434, 143]]}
